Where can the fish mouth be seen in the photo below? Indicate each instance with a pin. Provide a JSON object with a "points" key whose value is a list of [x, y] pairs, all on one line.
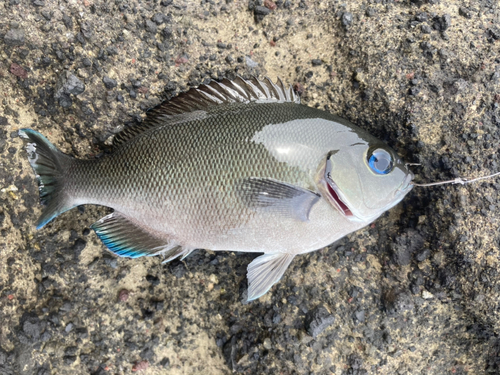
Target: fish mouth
{"points": [[334, 191]]}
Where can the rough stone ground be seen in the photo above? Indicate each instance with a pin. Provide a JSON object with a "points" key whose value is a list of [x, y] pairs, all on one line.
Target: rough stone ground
{"points": [[417, 292]]}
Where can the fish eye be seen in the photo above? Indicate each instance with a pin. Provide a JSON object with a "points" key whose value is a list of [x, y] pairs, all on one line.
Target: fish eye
{"points": [[380, 161]]}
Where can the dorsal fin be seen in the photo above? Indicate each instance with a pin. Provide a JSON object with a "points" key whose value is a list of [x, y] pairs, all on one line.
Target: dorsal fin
{"points": [[197, 101]]}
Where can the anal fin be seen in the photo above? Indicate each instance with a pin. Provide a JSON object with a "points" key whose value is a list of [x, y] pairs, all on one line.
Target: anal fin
{"points": [[265, 271], [172, 252], [127, 239]]}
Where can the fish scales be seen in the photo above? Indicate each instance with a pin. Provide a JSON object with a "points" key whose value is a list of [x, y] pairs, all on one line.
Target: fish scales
{"points": [[183, 176], [240, 174]]}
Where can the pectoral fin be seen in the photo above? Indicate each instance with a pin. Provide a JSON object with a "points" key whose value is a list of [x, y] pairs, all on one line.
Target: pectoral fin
{"points": [[270, 194], [265, 271]]}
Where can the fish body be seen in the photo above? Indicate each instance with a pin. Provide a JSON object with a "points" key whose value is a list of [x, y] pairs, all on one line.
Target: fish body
{"points": [[237, 165]]}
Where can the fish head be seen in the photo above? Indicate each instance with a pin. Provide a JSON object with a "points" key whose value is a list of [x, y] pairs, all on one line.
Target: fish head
{"points": [[364, 180]]}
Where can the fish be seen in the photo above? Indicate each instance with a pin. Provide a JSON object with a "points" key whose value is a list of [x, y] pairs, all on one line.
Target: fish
{"points": [[233, 165]]}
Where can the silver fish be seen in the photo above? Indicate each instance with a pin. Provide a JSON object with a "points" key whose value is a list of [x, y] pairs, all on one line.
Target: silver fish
{"points": [[234, 165]]}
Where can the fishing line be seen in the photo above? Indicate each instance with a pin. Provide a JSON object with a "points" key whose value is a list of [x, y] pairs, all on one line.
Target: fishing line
{"points": [[458, 180]]}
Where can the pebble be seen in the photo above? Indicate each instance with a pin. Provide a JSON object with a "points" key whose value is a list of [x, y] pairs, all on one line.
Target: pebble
{"points": [[267, 343], [370, 12], [109, 83], [421, 17], [397, 302], [423, 255], [18, 71], [150, 26], [73, 85], [317, 320], [464, 12], [250, 63], [159, 18], [347, 19], [65, 100], [139, 366], [14, 37], [153, 280], [427, 295], [260, 12], [442, 23], [426, 29], [68, 21], [123, 295], [32, 328]]}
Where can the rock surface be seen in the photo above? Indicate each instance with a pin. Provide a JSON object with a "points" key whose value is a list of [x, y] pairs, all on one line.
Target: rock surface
{"points": [[417, 292]]}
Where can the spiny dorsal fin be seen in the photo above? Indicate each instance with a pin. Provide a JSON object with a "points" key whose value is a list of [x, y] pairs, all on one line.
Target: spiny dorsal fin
{"points": [[197, 101]]}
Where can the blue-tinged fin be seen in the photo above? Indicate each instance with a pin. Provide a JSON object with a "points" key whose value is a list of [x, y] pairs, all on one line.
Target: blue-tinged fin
{"points": [[278, 196], [124, 237], [265, 271], [48, 164]]}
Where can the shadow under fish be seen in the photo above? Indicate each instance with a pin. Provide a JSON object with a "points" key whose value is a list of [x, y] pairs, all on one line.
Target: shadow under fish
{"points": [[235, 165]]}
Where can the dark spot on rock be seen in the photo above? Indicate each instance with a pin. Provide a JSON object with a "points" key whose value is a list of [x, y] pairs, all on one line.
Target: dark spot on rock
{"points": [[370, 12], [68, 360], [147, 354], [317, 320], [442, 23], [78, 246], [423, 255], [71, 351], [32, 326], [494, 33], [68, 21], [414, 91], [165, 362], [65, 101], [397, 302], [464, 12], [153, 280], [260, 12], [177, 268], [405, 245]]}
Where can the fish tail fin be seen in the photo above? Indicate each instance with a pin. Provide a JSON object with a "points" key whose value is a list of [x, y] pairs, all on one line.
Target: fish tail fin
{"points": [[47, 163]]}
